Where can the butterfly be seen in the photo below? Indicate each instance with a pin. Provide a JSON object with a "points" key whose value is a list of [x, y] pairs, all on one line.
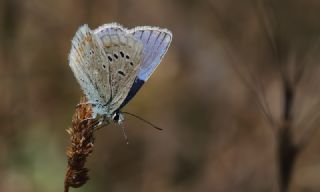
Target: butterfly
{"points": [[111, 64]]}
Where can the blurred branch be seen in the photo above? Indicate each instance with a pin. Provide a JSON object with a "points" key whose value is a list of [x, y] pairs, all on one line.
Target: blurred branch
{"points": [[310, 116], [287, 155], [255, 87], [287, 151], [291, 76], [304, 75], [308, 131], [267, 27], [301, 72], [286, 148]]}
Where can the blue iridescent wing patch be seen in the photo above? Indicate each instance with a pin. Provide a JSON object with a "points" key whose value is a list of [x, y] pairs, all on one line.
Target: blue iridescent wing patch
{"points": [[155, 44]]}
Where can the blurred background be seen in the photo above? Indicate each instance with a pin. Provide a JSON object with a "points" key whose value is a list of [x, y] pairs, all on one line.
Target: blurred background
{"points": [[237, 74]]}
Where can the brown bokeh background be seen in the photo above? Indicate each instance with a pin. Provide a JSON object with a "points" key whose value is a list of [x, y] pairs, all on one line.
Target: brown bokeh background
{"points": [[214, 94]]}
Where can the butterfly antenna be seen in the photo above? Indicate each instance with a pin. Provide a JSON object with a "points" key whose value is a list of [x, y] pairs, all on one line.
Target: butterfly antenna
{"points": [[143, 120]]}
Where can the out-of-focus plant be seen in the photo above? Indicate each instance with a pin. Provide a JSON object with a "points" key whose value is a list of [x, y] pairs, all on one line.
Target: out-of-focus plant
{"points": [[292, 72]]}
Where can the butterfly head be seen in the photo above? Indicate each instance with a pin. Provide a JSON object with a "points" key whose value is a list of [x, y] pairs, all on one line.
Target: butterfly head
{"points": [[118, 117]]}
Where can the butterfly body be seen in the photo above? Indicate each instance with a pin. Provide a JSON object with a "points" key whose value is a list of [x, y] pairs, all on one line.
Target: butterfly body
{"points": [[111, 64]]}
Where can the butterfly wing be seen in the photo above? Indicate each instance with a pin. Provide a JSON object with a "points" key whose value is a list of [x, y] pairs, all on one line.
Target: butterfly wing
{"points": [[86, 60], [123, 53], [109, 29], [156, 42], [111, 63]]}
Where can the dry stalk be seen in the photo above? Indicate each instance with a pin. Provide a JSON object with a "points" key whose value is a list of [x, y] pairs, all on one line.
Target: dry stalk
{"points": [[82, 139]]}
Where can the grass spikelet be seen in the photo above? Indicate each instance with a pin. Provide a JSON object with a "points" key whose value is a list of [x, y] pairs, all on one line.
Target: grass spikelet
{"points": [[82, 142]]}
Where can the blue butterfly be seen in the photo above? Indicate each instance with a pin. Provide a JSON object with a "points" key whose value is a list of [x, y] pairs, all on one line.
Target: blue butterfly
{"points": [[111, 64]]}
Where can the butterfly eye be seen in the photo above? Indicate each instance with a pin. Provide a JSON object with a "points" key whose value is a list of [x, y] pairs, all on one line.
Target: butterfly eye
{"points": [[116, 117]]}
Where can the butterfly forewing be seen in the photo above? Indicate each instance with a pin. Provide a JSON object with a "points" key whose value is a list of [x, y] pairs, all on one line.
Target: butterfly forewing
{"points": [[87, 61], [109, 29], [123, 53], [156, 42]]}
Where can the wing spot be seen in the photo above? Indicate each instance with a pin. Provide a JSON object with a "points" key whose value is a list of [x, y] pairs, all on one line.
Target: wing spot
{"points": [[115, 55], [127, 57], [121, 73], [110, 58], [131, 63], [122, 54], [104, 66]]}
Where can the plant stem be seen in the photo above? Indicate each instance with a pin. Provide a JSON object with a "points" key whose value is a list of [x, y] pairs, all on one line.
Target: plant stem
{"points": [[287, 151]]}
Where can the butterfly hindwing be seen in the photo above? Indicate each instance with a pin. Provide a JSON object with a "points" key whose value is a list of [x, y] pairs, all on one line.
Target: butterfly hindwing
{"points": [[137, 84], [123, 53]]}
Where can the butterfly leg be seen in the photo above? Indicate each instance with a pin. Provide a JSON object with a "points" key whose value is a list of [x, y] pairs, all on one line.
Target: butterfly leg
{"points": [[87, 119], [93, 117], [104, 121], [86, 103], [101, 122]]}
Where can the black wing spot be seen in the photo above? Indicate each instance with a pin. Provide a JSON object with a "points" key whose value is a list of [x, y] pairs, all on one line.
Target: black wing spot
{"points": [[122, 54], [121, 73], [104, 66], [127, 56], [115, 55], [131, 63], [110, 58]]}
